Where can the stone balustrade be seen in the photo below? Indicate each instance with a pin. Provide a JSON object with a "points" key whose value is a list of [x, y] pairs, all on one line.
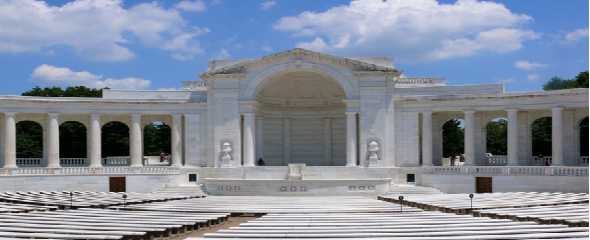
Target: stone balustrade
{"points": [[425, 81], [117, 161], [88, 171], [70, 162], [507, 170], [29, 162], [496, 160], [537, 162]]}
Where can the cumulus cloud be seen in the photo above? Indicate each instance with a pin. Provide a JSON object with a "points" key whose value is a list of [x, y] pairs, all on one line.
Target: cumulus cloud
{"points": [[266, 48], [189, 6], [51, 76], [97, 30], [532, 77], [575, 36], [411, 30], [266, 5], [221, 55], [528, 65]]}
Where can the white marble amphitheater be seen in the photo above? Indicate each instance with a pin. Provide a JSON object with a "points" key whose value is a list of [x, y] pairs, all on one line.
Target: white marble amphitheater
{"points": [[343, 139]]}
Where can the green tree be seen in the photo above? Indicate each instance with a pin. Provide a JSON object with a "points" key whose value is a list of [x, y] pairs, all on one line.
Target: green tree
{"points": [[29, 140], [582, 79], [453, 138], [497, 137], [541, 131], [584, 137], [156, 139], [72, 91], [72, 140], [556, 83], [115, 139]]}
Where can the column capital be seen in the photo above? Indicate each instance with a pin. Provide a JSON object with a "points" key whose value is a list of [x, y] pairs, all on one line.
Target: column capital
{"points": [[557, 108], [511, 110], [248, 114], [10, 113], [95, 114], [53, 114], [287, 119], [351, 113], [260, 117], [176, 115], [427, 112], [136, 114], [469, 111]]}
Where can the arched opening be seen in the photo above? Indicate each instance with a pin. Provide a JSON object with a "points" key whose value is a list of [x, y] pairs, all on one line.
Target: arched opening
{"points": [[497, 142], [584, 142], [115, 144], [304, 119], [541, 140], [157, 143], [453, 136], [73, 144], [29, 144]]}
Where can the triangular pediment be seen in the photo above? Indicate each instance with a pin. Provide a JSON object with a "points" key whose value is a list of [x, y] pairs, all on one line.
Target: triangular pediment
{"points": [[352, 63]]}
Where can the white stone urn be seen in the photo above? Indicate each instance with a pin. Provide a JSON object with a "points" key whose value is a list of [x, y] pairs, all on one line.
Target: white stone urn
{"points": [[373, 157], [226, 158]]}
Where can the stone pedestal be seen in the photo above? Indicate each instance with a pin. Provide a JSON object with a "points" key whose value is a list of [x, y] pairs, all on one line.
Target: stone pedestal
{"points": [[373, 157], [296, 171]]}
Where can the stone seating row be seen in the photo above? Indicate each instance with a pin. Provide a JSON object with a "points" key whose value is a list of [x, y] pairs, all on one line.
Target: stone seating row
{"points": [[86, 199], [461, 203], [401, 225], [573, 215], [104, 224], [272, 204], [17, 207]]}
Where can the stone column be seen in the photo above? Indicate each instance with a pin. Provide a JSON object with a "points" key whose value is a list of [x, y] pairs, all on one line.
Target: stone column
{"points": [[512, 137], [176, 140], [351, 139], [249, 140], [53, 140], [95, 141], [286, 141], [427, 139], [327, 142], [10, 140], [557, 136], [135, 141], [259, 136], [469, 139]]}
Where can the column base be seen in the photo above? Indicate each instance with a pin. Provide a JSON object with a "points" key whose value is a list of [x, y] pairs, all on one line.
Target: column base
{"points": [[10, 166], [248, 165], [136, 165], [95, 166], [351, 165], [557, 165], [176, 165], [512, 165], [427, 165], [54, 166]]}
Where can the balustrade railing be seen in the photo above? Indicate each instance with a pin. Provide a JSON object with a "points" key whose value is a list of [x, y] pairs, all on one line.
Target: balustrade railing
{"points": [[496, 160], [583, 161], [73, 162], [538, 162], [427, 81], [510, 170], [116, 161], [88, 171], [29, 162]]}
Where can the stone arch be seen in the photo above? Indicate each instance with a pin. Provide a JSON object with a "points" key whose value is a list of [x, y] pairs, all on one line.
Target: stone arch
{"points": [[582, 141], [29, 139], [73, 140], [248, 93], [541, 142], [121, 147], [156, 139]]}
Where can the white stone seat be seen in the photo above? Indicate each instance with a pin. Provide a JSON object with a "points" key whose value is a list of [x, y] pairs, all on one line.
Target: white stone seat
{"points": [[56, 236]]}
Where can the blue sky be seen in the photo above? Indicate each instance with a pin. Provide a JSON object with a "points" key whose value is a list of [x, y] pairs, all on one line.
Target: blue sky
{"points": [[157, 44]]}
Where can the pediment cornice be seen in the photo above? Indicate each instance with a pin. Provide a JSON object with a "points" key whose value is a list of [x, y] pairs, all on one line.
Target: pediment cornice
{"points": [[367, 68]]}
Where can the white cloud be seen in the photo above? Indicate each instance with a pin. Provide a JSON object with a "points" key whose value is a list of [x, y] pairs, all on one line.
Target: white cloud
{"points": [[267, 48], [215, 2], [50, 52], [53, 76], [575, 36], [506, 80], [94, 29], [528, 65], [532, 77], [411, 30], [198, 6], [266, 5], [221, 55]]}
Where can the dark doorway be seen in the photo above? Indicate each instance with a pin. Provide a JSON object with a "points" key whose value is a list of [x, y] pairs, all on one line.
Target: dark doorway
{"points": [[483, 184], [117, 184], [410, 178], [192, 177]]}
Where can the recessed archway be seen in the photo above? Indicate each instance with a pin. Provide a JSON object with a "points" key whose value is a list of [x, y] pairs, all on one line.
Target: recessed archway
{"points": [[115, 140], [29, 142], [72, 140], [453, 140], [541, 134], [157, 140], [304, 119]]}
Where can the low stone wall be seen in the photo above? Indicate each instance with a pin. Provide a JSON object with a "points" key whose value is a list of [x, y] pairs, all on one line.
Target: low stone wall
{"points": [[501, 183], [93, 183]]}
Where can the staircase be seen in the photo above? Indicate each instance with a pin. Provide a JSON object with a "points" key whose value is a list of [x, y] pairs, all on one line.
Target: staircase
{"points": [[190, 190], [405, 189]]}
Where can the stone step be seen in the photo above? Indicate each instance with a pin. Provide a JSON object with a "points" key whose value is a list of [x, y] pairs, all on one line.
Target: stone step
{"points": [[404, 189], [193, 190]]}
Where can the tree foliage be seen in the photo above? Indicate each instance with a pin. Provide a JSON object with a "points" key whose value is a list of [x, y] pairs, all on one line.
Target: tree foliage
{"points": [[541, 133], [556, 83], [29, 140], [497, 137], [156, 139], [453, 138], [584, 137], [115, 139], [71, 91], [72, 140]]}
